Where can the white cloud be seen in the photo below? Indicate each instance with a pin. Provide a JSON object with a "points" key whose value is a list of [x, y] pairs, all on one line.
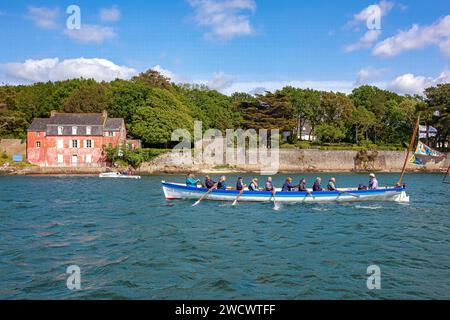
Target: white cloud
{"points": [[366, 16], [412, 84], [169, 74], [53, 69], [369, 74], [220, 81], [91, 34], [43, 17], [417, 37], [366, 41], [224, 18], [259, 86], [361, 17], [110, 14]]}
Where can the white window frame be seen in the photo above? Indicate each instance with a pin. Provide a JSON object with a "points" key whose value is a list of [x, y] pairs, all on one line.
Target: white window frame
{"points": [[74, 130], [88, 130], [60, 158], [60, 130], [77, 143], [86, 144], [60, 144], [88, 157]]}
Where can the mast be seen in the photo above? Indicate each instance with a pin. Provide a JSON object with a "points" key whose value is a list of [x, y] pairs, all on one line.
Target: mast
{"points": [[413, 138]]}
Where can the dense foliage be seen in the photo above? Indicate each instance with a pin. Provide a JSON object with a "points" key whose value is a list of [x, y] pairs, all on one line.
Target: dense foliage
{"points": [[153, 107]]}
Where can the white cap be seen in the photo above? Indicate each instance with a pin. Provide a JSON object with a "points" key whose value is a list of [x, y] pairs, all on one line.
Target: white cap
{"points": [[372, 175]]}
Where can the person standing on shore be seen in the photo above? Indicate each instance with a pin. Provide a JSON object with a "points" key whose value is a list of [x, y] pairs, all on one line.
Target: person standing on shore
{"points": [[373, 182], [316, 185]]}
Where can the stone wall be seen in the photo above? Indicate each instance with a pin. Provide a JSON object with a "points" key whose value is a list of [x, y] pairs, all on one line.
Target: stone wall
{"points": [[296, 160], [13, 146]]}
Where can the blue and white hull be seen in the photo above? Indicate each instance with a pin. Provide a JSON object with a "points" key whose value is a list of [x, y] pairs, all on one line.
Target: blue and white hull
{"points": [[174, 191]]}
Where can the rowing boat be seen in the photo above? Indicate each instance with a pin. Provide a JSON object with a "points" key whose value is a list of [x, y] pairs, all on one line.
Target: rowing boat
{"points": [[174, 191], [117, 175]]}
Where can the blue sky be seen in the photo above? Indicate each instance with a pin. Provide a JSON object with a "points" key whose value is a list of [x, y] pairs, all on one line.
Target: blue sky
{"points": [[233, 45]]}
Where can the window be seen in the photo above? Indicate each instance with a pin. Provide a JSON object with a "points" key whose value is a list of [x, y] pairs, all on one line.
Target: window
{"points": [[74, 130], [74, 143], [38, 134], [89, 158], [60, 158], [88, 130], [109, 134], [60, 130], [38, 144], [88, 144], [60, 143]]}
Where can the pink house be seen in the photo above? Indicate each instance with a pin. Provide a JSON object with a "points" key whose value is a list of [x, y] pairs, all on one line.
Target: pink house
{"points": [[73, 139]]}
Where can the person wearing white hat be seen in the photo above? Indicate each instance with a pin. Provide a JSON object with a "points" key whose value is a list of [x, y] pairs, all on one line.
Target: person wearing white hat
{"points": [[373, 182]]}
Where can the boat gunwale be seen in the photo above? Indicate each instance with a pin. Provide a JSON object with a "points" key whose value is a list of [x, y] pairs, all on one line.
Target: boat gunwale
{"points": [[185, 188]]}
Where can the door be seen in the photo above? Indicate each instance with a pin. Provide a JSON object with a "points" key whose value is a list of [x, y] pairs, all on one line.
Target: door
{"points": [[89, 158], [60, 159], [74, 159]]}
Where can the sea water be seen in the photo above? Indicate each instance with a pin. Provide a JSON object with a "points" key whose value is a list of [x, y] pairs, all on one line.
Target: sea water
{"points": [[130, 243]]}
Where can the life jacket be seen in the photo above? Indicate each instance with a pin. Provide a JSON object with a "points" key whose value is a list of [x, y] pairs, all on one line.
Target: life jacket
{"points": [[222, 185]]}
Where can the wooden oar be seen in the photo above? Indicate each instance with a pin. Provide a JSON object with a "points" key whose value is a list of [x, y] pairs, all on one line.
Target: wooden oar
{"points": [[238, 196], [204, 196], [308, 193], [350, 194], [273, 198]]}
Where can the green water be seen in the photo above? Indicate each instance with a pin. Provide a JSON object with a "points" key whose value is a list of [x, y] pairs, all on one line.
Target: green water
{"points": [[131, 243]]}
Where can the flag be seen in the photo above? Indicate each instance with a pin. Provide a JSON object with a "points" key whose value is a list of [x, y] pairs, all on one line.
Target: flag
{"points": [[432, 132], [424, 150], [416, 160]]}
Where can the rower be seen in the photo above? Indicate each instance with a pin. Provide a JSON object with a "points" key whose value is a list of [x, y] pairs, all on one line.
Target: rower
{"points": [[332, 185], [269, 185], [373, 182], [191, 181], [287, 186], [253, 186], [302, 185], [240, 184], [222, 185], [209, 183], [316, 185]]}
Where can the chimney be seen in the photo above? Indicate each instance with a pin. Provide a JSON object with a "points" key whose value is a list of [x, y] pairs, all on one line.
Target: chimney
{"points": [[52, 113], [104, 116]]}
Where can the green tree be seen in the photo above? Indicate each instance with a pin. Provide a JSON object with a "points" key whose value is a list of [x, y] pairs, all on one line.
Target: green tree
{"points": [[90, 96], [438, 101], [362, 120], [159, 117], [329, 133], [306, 106]]}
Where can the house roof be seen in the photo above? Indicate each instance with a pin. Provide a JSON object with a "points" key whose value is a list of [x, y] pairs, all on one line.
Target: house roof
{"points": [[113, 124], [38, 124], [76, 119], [98, 121]]}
